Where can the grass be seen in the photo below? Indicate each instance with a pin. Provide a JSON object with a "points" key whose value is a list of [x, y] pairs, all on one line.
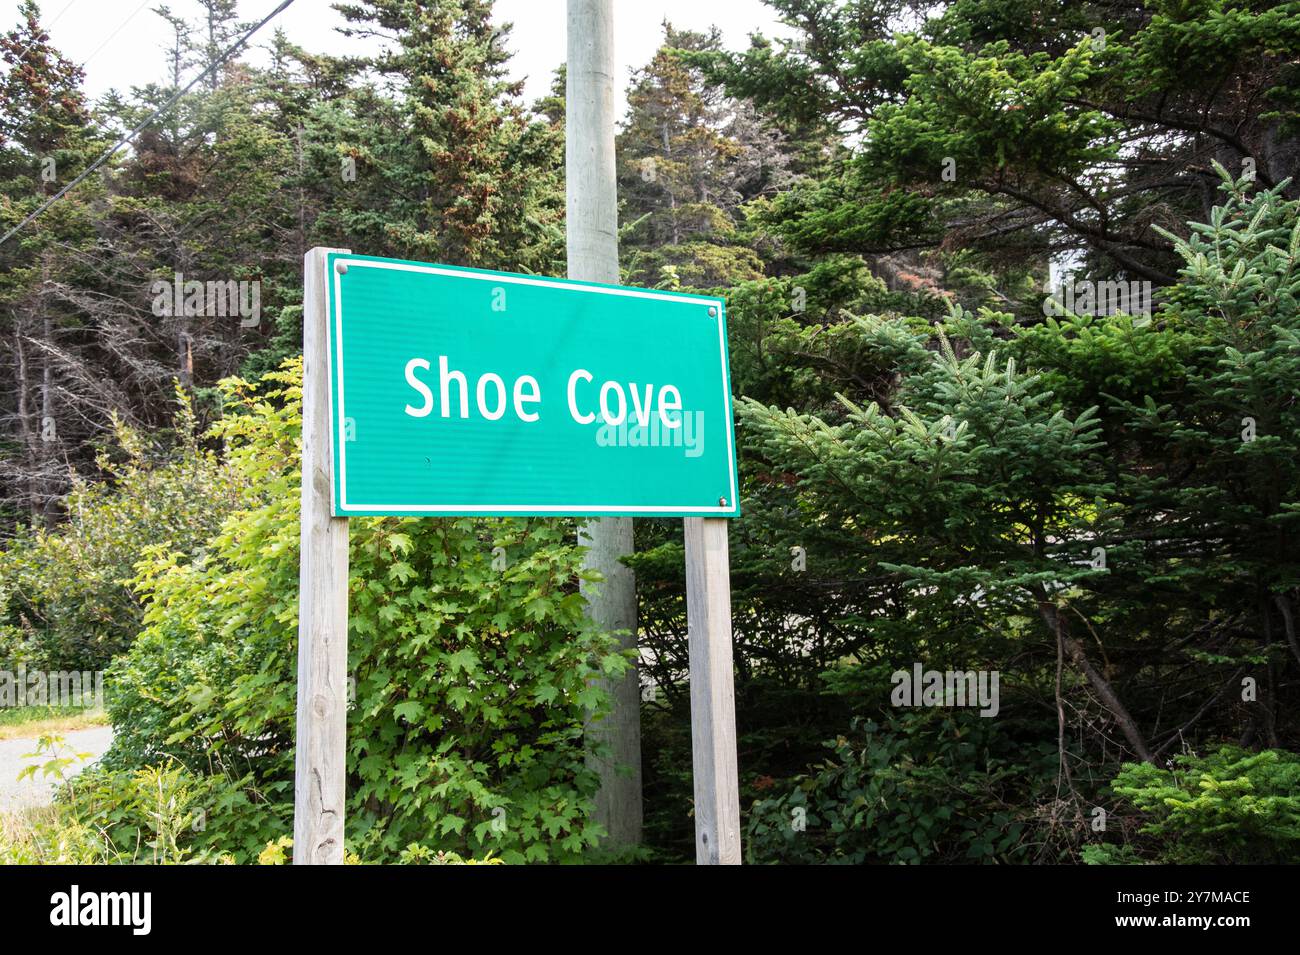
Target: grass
{"points": [[48, 835], [23, 721]]}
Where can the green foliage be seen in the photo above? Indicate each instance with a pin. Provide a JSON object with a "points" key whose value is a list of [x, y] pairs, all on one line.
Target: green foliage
{"points": [[1100, 507], [145, 816], [420, 149], [64, 599], [1119, 356], [472, 685], [922, 787], [58, 759], [689, 159], [1228, 807], [971, 470], [1008, 129], [100, 818], [416, 854], [44, 118], [1077, 498], [477, 179]]}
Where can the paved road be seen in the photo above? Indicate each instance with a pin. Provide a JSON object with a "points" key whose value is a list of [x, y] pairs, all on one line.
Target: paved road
{"points": [[38, 790]]}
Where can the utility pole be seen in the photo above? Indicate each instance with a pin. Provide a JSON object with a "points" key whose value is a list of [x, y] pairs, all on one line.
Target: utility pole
{"points": [[592, 240]]}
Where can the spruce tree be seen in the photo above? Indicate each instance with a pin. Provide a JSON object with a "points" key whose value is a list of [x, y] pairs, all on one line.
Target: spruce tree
{"points": [[482, 178]]}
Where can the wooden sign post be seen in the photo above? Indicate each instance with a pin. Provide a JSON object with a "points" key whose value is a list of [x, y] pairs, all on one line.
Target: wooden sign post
{"points": [[548, 403], [320, 758], [713, 704]]}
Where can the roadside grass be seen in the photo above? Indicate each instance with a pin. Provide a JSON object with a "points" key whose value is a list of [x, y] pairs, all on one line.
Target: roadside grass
{"points": [[53, 834], [48, 835], [19, 828], [23, 721]]}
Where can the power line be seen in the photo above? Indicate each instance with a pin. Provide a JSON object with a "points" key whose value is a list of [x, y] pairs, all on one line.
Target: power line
{"points": [[93, 53], [113, 34], [234, 48]]}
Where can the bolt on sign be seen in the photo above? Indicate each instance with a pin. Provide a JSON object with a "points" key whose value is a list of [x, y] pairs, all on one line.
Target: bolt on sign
{"points": [[459, 391]]}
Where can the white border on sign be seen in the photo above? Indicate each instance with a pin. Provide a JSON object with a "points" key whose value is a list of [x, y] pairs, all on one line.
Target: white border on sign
{"points": [[517, 280]]}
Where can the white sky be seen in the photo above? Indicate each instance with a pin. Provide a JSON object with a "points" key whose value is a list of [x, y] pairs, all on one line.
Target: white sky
{"points": [[121, 42]]}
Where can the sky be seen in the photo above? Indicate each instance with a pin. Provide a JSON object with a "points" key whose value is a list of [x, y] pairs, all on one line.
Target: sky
{"points": [[121, 42]]}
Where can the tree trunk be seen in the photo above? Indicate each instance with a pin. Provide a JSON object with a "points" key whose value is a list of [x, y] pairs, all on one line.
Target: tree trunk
{"points": [[1101, 686], [26, 433], [49, 433]]}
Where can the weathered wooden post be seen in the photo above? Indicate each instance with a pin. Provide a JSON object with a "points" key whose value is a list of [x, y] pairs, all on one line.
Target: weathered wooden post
{"points": [[320, 759], [713, 705]]}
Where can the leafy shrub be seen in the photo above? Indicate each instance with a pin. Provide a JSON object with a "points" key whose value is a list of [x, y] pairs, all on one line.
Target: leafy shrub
{"points": [[1229, 806], [64, 599], [100, 818], [925, 786], [472, 684], [143, 816], [280, 851], [416, 854]]}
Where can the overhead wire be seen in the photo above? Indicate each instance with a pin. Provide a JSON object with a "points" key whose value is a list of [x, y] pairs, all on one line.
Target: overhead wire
{"points": [[108, 153]]}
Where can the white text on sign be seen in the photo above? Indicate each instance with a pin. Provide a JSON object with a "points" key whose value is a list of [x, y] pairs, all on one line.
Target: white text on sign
{"points": [[490, 397]]}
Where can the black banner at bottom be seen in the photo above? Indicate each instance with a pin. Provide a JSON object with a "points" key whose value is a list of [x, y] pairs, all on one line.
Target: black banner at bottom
{"points": [[138, 905]]}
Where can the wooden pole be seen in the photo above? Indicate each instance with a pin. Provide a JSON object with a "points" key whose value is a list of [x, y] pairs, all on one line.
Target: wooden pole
{"points": [[591, 232], [713, 704], [320, 759]]}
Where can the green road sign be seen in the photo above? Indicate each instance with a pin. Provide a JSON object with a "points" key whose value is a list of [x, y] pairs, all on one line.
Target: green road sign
{"points": [[459, 391]]}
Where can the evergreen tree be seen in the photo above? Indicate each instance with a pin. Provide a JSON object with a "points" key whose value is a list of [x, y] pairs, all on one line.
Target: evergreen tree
{"points": [[232, 184], [1104, 512], [688, 158], [482, 180], [47, 138], [1025, 127]]}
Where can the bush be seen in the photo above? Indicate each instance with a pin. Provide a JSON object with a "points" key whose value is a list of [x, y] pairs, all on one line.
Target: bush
{"points": [[924, 786], [1227, 807], [101, 818], [64, 599], [471, 677]]}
